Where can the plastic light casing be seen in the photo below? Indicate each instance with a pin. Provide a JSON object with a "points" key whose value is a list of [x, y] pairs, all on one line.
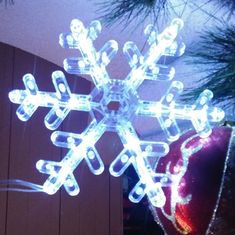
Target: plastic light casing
{"points": [[99, 103]]}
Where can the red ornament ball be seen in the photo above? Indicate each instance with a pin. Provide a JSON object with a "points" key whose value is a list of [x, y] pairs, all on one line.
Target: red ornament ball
{"points": [[201, 198]]}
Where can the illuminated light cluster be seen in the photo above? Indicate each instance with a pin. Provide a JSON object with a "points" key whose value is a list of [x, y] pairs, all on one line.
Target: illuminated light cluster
{"points": [[112, 105]]}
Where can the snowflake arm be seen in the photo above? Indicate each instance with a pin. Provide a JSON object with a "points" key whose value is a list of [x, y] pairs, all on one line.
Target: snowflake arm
{"points": [[80, 147], [167, 111], [135, 152], [61, 102], [145, 66], [156, 70], [92, 62]]}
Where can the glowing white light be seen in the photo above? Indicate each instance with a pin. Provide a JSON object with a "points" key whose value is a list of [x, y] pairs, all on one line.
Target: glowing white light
{"points": [[124, 92]]}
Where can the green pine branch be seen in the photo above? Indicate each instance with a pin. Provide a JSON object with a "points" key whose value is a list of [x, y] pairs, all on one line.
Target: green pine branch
{"points": [[214, 55], [229, 5], [126, 11]]}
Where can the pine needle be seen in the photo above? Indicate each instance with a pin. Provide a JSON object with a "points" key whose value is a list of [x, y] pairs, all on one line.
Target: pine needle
{"points": [[214, 55], [229, 5], [126, 11], [7, 2]]}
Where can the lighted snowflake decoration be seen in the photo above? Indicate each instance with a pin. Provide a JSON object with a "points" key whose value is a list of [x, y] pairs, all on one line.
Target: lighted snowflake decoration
{"points": [[107, 94]]}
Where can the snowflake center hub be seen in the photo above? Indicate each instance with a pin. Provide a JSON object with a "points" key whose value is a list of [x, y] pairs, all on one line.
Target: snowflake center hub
{"points": [[118, 101], [114, 105]]}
